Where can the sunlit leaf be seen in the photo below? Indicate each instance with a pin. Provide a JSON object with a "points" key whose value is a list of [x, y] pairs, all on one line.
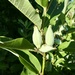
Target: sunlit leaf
{"points": [[71, 47], [63, 45], [27, 9], [61, 60], [34, 60], [67, 46]]}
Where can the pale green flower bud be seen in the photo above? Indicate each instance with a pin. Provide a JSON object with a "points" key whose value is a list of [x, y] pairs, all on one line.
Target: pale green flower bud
{"points": [[46, 48], [49, 37], [37, 38]]}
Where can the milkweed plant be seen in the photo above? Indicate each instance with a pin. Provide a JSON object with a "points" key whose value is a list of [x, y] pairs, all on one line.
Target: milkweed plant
{"points": [[53, 36]]}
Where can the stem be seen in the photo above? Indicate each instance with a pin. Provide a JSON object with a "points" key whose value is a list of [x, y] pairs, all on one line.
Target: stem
{"points": [[43, 63], [43, 16], [65, 5], [44, 12]]}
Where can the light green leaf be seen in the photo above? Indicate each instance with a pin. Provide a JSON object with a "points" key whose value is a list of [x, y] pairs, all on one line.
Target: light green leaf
{"points": [[60, 1], [28, 65], [43, 3], [19, 43], [34, 60], [71, 5], [71, 47], [61, 60], [27, 9], [63, 45], [68, 46]]}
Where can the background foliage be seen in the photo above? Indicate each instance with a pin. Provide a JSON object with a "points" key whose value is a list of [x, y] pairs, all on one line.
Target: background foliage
{"points": [[14, 24]]}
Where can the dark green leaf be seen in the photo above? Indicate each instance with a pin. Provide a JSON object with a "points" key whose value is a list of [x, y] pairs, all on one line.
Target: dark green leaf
{"points": [[71, 30], [27, 72], [19, 43], [3, 38], [3, 66], [71, 66], [26, 61], [55, 8]]}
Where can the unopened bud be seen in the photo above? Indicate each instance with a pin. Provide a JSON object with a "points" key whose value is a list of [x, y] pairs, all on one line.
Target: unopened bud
{"points": [[49, 37], [37, 38]]}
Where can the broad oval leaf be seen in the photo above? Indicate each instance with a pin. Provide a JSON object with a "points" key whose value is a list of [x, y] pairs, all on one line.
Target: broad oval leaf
{"points": [[27, 9], [19, 43], [63, 45]]}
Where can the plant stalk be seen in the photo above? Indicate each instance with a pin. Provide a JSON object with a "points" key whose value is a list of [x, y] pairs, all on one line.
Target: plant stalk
{"points": [[43, 63]]}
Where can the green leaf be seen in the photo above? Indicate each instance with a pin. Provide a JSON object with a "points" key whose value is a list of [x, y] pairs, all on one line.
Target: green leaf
{"points": [[63, 45], [71, 47], [4, 38], [48, 66], [55, 8], [54, 20], [19, 43], [27, 72], [68, 46], [60, 1], [28, 65], [71, 30], [28, 60], [27, 9], [34, 60], [43, 3], [60, 60], [73, 35]]}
